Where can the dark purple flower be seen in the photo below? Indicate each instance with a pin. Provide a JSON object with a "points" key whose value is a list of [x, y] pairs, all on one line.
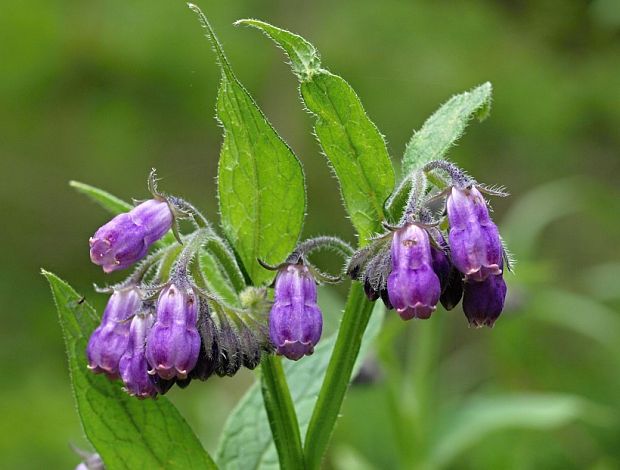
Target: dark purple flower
{"points": [[295, 321], [127, 237], [173, 344], [475, 245], [109, 341], [413, 287], [133, 366], [441, 263], [453, 290], [483, 301]]}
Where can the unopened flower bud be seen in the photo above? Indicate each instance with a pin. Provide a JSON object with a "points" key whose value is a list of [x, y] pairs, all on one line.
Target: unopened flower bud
{"points": [[441, 263], [133, 366], [475, 244], [413, 286], [483, 301], [94, 462], [109, 341], [453, 290], [127, 237], [174, 343], [295, 321]]}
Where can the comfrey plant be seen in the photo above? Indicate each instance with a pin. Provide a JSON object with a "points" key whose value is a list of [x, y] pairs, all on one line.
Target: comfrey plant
{"points": [[202, 302]]}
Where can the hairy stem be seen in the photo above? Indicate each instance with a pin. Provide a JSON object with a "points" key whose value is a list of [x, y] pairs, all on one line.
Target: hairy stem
{"points": [[225, 257], [354, 321], [281, 414]]}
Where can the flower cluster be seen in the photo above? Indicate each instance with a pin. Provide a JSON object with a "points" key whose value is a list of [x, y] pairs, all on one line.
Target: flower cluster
{"points": [[413, 268], [168, 323], [163, 326]]}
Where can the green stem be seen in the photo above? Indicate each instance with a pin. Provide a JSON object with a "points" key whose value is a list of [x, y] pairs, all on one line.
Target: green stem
{"points": [[281, 414], [422, 364], [225, 257], [354, 321], [395, 205]]}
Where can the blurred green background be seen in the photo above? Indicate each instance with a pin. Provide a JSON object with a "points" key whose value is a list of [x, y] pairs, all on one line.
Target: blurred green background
{"points": [[102, 91]]}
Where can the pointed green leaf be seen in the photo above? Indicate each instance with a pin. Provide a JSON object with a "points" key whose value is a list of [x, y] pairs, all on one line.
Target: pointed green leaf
{"points": [[260, 180], [106, 200], [246, 440], [128, 433], [352, 143], [445, 126]]}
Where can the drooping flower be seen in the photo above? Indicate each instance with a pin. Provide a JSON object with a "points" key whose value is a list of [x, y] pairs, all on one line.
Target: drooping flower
{"points": [[453, 290], [483, 301], [109, 341], [173, 344], [133, 365], [127, 237], [441, 263], [450, 279], [295, 321], [413, 287], [475, 245]]}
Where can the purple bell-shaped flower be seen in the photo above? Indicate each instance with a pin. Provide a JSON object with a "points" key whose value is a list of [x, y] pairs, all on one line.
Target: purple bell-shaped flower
{"points": [[295, 321], [109, 341], [483, 301], [475, 245], [133, 366], [173, 344], [413, 287]]}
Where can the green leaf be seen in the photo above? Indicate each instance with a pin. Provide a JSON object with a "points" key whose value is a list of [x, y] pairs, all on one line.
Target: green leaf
{"points": [[260, 180], [246, 440], [352, 143], [106, 200], [445, 126], [216, 278], [470, 423], [126, 432]]}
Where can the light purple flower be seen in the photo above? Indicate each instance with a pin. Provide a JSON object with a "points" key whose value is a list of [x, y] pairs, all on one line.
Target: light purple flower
{"points": [[133, 366], [483, 301], [295, 321], [475, 244], [413, 287], [173, 344], [127, 237], [109, 341]]}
